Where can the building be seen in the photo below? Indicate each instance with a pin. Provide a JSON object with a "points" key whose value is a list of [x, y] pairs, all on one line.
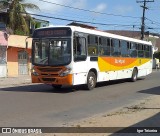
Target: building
{"points": [[38, 23], [3, 50], [18, 57], [3, 16], [15, 58]]}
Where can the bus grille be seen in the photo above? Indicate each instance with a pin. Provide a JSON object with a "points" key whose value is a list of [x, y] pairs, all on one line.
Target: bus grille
{"points": [[48, 79]]}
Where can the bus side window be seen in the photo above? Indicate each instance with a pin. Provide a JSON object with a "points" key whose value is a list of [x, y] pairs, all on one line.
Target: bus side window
{"points": [[104, 46], [116, 47], [133, 50], [140, 50], [125, 48], [79, 49], [146, 50], [150, 51], [92, 45]]}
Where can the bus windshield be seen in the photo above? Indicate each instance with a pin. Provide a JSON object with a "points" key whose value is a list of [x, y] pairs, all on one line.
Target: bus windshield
{"points": [[52, 52]]}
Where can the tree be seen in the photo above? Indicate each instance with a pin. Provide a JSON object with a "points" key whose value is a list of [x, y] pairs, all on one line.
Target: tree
{"points": [[17, 15]]}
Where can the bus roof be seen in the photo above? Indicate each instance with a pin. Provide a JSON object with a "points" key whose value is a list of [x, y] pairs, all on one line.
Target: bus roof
{"points": [[101, 33]]}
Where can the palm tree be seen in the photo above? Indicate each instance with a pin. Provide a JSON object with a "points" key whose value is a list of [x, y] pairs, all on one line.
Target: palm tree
{"points": [[17, 15]]}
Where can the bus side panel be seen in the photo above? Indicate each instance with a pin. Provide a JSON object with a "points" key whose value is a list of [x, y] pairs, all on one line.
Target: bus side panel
{"points": [[104, 69], [119, 68], [116, 67], [81, 70], [145, 67]]}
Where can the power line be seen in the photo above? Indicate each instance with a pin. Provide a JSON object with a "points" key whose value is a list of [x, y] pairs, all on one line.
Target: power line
{"points": [[148, 27], [85, 18], [62, 15], [116, 25], [133, 24], [155, 22], [71, 20], [109, 14]]}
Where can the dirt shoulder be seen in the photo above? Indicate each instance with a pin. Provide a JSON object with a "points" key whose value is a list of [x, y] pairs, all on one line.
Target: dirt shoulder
{"points": [[15, 81], [143, 113]]}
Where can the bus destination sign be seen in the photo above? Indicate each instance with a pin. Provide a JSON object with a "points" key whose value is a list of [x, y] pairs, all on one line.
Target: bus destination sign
{"points": [[52, 32]]}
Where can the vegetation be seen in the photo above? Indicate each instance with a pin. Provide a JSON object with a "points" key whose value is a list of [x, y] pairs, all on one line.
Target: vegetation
{"points": [[18, 18]]}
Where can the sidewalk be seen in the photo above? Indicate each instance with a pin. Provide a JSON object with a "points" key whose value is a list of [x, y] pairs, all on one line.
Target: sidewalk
{"points": [[143, 113], [11, 81]]}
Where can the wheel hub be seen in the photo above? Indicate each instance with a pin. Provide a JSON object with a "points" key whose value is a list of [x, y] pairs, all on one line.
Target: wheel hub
{"points": [[91, 81]]}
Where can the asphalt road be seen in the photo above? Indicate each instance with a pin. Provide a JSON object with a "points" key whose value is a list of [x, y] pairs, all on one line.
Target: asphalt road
{"points": [[42, 106]]}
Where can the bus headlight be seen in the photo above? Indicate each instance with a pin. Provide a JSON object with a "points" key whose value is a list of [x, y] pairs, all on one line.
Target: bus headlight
{"points": [[34, 72], [66, 72]]}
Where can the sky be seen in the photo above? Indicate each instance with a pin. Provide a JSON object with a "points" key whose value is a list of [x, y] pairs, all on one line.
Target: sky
{"points": [[117, 14]]}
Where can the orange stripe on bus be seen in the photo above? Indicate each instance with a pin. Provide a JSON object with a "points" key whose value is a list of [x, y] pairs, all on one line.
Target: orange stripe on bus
{"points": [[119, 63]]}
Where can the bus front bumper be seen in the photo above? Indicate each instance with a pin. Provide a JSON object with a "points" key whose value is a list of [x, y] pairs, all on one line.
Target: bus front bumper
{"points": [[65, 80]]}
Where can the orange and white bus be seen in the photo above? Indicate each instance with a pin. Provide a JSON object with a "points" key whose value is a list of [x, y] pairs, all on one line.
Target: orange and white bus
{"points": [[71, 55]]}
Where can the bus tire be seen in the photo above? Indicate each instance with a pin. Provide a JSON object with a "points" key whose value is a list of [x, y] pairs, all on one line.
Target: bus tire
{"points": [[91, 81], [57, 86], [134, 75]]}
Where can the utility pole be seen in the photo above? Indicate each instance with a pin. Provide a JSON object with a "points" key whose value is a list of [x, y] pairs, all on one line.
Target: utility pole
{"points": [[143, 17]]}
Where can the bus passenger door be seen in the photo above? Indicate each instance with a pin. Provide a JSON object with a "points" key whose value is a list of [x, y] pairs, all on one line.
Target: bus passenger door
{"points": [[80, 63]]}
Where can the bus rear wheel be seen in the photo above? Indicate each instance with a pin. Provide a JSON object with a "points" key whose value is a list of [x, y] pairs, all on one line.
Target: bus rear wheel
{"points": [[91, 81], [134, 75]]}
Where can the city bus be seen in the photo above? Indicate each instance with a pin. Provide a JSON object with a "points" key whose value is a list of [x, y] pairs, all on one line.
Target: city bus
{"points": [[72, 55]]}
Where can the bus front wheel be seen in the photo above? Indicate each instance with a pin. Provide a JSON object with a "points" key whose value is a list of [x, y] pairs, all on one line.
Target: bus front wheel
{"points": [[91, 81], [134, 75], [57, 86]]}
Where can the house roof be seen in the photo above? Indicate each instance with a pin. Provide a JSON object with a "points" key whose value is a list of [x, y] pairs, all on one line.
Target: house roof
{"points": [[82, 25], [19, 41], [40, 20], [132, 34]]}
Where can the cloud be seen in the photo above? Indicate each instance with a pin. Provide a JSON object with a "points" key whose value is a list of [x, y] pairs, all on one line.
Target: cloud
{"points": [[78, 3], [123, 9], [49, 9], [48, 6], [44, 6], [100, 7]]}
